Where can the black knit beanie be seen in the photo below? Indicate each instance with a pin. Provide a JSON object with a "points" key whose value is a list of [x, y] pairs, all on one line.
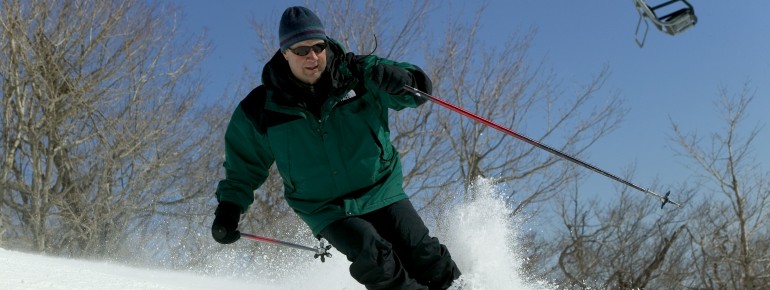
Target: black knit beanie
{"points": [[299, 24]]}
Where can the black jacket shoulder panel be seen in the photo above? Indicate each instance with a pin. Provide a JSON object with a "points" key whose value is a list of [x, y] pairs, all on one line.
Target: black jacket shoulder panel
{"points": [[253, 107]]}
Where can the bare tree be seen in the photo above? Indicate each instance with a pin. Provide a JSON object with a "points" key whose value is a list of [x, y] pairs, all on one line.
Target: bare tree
{"points": [[729, 230], [719, 241], [628, 244], [509, 88], [99, 123]]}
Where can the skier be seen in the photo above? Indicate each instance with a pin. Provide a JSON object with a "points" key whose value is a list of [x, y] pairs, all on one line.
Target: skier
{"points": [[321, 115]]}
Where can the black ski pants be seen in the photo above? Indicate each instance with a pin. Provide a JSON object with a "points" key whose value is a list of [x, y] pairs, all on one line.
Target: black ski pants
{"points": [[390, 248]]}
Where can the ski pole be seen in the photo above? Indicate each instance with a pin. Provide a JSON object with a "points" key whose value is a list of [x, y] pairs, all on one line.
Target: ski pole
{"points": [[321, 250], [418, 93]]}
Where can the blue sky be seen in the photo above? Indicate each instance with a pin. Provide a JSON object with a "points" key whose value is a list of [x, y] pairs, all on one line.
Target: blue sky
{"points": [[670, 78]]}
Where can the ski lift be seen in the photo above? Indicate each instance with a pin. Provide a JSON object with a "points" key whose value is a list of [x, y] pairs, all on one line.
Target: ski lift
{"points": [[671, 23]]}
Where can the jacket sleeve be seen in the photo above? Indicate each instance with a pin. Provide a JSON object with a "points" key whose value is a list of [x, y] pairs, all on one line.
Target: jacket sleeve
{"points": [[420, 81], [247, 161]]}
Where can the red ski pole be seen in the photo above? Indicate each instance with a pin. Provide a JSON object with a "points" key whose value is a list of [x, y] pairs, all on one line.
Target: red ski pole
{"points": [[418, 93], [321, 251]]}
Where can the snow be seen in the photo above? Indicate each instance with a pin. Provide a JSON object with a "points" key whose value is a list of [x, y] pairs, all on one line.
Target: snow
{"points": [[482, 239], [494, 263], [31, 271]]}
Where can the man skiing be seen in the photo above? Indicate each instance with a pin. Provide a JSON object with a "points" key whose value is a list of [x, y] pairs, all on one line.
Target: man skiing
{"points": [[321, 115]]}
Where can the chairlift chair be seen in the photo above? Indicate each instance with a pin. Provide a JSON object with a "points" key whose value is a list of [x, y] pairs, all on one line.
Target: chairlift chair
{"points": [[671, 23]]}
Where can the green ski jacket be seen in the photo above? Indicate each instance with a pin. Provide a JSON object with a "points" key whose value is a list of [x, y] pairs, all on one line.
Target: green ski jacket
{"points": [[330, 141]]}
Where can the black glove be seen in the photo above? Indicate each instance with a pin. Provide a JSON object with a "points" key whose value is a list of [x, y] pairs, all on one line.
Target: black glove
{"points": [[225, 227], [391, 79], [350, 60]]}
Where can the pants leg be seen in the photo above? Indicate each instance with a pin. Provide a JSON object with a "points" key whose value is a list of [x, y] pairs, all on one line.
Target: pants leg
{"points": [[423, 256], [374, 263]]}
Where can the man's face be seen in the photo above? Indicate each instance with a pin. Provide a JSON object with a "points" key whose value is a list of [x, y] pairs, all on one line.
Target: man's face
{"points": [[307, 68]]}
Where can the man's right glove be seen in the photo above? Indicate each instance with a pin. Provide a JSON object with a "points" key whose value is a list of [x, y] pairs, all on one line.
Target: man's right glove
{"points": [[225, 227], [391, 78]]}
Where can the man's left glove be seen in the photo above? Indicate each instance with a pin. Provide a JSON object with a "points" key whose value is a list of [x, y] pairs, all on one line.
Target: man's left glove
{"points": [[391, 78], [225, 227]]}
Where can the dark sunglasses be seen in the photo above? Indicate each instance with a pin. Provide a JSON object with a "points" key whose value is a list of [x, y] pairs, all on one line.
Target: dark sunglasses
{"points": [[304, 50]]}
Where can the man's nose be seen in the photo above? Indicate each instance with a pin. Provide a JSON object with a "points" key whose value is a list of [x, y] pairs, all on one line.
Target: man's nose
{"points": [[312, 55]]}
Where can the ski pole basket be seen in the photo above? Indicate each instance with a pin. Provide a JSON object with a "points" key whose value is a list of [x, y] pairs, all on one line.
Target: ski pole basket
{"points": [[672, 22]]}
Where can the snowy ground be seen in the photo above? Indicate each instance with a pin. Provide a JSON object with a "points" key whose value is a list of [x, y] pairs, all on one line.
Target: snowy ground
{"points": [[28, 271], [477, 240], [31, 271]]}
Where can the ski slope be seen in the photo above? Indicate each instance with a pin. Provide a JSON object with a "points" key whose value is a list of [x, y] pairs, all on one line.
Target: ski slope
{"points": [[31, 271], [481, 238]]}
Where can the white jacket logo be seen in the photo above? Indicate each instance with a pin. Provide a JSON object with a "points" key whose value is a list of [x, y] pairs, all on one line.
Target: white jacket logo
{"points": [[349, 96]]}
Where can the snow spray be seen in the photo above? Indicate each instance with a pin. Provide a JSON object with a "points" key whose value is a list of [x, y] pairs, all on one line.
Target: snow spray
{"points": [[480, 234], [482, 238]]}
